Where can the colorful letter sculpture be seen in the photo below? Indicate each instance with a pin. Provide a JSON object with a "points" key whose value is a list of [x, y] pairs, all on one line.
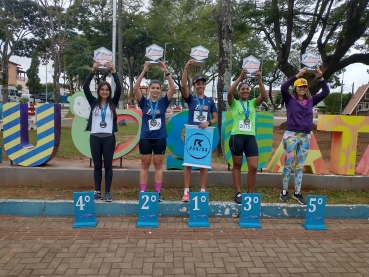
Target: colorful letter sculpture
{"points": [[363, 166], [16, 140], [175, 143], [315, 213], [80, 108], [314, 162], [344, 130], [264, 137], [84, 210]]}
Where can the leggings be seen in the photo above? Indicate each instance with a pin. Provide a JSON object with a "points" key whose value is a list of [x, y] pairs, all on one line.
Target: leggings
{"points": [[295, 143], [102, 147]]}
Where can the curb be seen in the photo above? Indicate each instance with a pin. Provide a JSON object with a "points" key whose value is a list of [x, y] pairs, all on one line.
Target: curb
{"points": [[173, 208]]}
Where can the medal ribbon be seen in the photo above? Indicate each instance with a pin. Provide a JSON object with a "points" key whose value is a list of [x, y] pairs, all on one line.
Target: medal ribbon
{"points": [[153, 111], [103, 111], [246, 111], [201, 106]]}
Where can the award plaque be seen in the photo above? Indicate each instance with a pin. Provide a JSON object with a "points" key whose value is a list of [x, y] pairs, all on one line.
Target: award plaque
{"points": [[199, 54], [103, 55], [311, 61], [251, 64], [154, 53]]}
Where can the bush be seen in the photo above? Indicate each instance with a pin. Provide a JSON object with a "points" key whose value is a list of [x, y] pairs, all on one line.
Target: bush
{"points": [[23, 100]]}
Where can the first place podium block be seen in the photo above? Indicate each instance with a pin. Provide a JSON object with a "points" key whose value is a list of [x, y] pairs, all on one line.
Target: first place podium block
{"points": [[199, 210], [148, 213], [84, 210]]}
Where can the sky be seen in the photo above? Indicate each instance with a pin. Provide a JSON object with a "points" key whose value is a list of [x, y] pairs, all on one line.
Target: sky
{"points": [[355, 73]]}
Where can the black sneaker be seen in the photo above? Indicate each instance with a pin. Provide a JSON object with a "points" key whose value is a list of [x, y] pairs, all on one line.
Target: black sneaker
{"points": [[299, 198], [160, 199], [283, 196], [97, 195], [108, 197], [238, 198]]}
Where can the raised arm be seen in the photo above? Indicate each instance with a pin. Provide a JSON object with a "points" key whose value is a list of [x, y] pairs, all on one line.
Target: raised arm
{"points": [[263, 93], [86, 85], [136, 87], [118, 87], [325, 89], [172, 86], [233, 87], [185, 90]]}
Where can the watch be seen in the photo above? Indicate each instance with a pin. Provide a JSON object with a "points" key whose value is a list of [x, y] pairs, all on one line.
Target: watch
{"points": [[167, 74], [209, 122]]}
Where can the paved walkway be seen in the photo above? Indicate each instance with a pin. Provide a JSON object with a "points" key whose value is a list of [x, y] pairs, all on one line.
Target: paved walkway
{"points": [[50, 247]]}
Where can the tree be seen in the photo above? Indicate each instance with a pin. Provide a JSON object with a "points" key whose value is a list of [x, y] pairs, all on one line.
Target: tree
{"points": [[18, 20], [222, 19], [332, 103], [328, 27], [56, 20], [77, 62], [33, 83]]}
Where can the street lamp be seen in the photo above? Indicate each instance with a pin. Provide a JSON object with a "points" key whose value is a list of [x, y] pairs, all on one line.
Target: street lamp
{"points": [[343, 74]]}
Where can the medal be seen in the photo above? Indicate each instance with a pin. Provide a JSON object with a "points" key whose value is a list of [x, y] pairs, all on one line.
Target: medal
{"points": [[153, 112], [246, 112], [201, 117], [201, 106], [153, 122], [103, 114]]}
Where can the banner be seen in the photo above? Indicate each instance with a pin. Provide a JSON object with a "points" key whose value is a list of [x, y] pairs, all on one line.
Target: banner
{"points": [[198, 146]]}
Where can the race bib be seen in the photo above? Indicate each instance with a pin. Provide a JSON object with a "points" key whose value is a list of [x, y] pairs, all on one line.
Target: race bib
{"points": [[154, 124], [245, 126], [200, 118]]}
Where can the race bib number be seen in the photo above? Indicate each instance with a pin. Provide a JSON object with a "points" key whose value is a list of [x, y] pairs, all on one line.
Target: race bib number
{"points": [[200, 118], [245, 127], [154, 124]]}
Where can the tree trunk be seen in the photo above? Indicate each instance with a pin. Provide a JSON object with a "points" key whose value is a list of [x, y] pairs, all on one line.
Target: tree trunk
{"points": [[271, 97], [5, 78], [222, 18]]}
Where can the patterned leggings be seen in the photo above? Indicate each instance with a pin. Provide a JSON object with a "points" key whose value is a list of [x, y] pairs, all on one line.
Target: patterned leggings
{"points": [[298, 144]]}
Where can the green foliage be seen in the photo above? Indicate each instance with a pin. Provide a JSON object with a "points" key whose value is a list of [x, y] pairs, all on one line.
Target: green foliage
{"points": [[33, 82], [332, 103], [23, 100]]}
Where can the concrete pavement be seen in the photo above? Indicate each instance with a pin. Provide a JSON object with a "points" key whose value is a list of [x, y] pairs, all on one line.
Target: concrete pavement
{"points": [[44, 246]]}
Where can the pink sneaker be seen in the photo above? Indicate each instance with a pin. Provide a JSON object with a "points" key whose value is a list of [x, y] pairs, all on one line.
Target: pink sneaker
{"points": [[186, 197]]}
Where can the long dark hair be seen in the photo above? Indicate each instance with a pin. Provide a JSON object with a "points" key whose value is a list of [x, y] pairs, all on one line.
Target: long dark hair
{"points": [[109, 99]]}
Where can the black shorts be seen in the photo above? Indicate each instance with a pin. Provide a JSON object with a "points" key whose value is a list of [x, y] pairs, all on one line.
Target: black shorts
{"points": [[146, 146], [239, 144]]}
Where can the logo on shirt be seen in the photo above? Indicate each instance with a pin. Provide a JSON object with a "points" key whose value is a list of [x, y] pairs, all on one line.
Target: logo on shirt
{"points": [[205, 108], [149, 112]]}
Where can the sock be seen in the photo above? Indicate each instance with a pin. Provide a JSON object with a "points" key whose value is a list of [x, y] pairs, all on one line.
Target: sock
{"points": [[186, 190], [158, 187], [202, 190], [284, 192], [143, 187]]}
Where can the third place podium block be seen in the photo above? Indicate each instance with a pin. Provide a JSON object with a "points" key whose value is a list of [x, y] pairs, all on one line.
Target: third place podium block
{"points": [[250, 210]]}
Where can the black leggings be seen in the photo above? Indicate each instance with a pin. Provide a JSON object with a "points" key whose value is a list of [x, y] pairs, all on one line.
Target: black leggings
{"points": [[102, 147]]}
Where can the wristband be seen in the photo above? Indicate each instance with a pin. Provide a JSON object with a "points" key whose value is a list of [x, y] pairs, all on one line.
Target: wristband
{"points": [[167, 74], [209, 122]]}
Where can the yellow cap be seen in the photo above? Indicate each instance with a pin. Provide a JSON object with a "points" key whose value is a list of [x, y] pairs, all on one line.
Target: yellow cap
{"points": [[300, 82]]}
